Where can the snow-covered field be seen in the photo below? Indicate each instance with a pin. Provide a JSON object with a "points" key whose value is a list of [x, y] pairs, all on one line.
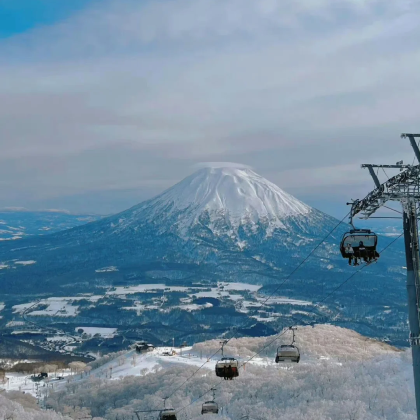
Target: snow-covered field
{"points": [[29, 262], [106, 269], [55, 306]]}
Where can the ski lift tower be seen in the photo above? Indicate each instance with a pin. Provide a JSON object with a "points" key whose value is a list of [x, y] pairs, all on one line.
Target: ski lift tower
{"points": [[405, 188]]}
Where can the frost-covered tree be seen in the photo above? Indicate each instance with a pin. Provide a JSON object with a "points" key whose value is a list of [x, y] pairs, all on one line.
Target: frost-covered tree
{"points": [[77, 367]]}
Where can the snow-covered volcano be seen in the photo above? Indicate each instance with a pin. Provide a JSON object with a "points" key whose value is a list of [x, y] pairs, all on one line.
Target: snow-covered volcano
{"points": [[216, 196], [238, 193], [221, 216]]}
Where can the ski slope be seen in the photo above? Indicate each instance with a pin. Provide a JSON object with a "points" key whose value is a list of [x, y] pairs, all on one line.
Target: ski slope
{"points": [[318, 345]]}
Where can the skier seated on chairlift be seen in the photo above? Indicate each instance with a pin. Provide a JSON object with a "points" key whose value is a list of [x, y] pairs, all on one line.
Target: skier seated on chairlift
{"points": [[362, 251], [230, 372], [350, 252], [227, 373], [372, 255]]}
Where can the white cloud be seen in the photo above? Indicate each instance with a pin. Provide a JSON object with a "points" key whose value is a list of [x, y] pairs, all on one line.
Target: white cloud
{"points": [[201, 165], [132, 93]]}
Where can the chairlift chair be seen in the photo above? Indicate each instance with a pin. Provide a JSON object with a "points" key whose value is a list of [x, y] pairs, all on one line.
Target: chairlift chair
{"points": [[354, 238], [167, 414], [288, 353], [209, 407], [227, 367]]}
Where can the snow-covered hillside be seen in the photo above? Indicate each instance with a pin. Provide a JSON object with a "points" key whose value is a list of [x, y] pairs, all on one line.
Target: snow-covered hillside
{"points": [[342, 375]]}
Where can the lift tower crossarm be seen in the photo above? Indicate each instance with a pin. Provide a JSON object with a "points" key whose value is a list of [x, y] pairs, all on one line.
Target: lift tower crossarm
{"points": [[396, 166]]}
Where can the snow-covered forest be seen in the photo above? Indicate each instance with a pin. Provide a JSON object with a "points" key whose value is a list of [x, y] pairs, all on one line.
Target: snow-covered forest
{"points": [[342, 375], [17, 406]]}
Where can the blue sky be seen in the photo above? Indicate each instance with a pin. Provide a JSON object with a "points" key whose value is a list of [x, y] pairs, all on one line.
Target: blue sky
{"points": [[17, 16], [106, 103]]}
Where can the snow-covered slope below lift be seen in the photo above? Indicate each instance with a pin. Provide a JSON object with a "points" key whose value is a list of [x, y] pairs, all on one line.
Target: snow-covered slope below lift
{"points": [[340, 372], [236, 195]]}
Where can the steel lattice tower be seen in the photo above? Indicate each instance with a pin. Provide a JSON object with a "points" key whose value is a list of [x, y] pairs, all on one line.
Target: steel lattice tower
{"points": [[405, 188]]}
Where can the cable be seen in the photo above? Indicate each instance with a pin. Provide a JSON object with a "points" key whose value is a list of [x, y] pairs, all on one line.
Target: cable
{"points": [[305, 259], [269, 343], [183, 383], [390, 208], [269, 297], [197, 399], [358, 271], [285, 330], [262, 304], [243, 364]]}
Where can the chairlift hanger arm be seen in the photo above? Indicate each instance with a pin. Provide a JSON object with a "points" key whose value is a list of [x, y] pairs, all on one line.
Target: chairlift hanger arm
{"points": [[372, 174], [412, 138]]}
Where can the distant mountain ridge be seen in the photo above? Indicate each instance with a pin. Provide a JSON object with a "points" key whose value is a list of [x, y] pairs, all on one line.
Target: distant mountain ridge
{"points": [[19, 223], [25, 210]]}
